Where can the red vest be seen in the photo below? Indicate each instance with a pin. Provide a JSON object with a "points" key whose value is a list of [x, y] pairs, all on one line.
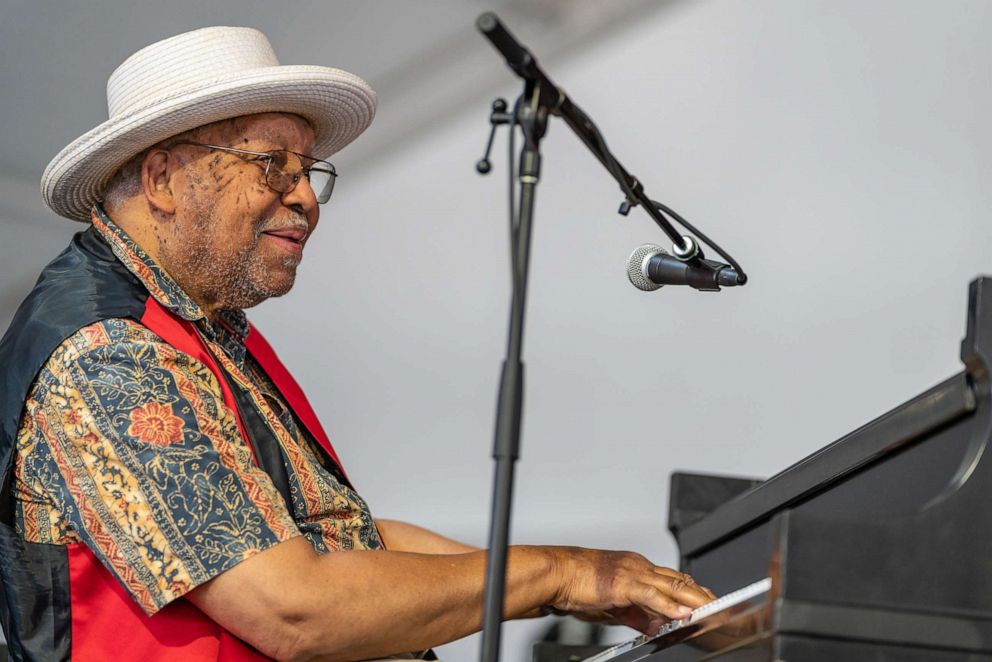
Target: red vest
{"points": [[101, 608]]}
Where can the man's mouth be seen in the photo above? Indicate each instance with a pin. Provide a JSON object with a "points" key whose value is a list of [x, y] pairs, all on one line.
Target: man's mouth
{"points": [[292, 239]]}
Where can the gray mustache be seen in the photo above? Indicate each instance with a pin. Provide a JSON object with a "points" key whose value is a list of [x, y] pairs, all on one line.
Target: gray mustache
{"points": [[294, 222]]}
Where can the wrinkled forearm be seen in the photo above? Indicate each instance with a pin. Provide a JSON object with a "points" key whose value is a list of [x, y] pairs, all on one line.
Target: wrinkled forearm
{"points": [[374, 604]]}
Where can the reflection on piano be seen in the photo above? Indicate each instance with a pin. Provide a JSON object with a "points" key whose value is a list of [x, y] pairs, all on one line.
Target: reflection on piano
{"points": [[878, 546]]}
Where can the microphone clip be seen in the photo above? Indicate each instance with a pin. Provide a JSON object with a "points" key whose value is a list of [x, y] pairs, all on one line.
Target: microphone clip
{"points": [[689, 251], [497, 117]]}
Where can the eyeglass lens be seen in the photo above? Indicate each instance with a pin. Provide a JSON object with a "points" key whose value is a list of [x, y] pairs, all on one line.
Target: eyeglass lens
{"points": [[322, 183], [286, 170]]}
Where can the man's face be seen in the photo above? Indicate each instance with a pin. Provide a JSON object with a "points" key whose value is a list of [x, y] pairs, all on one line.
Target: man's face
{"points": [[234, 242]]}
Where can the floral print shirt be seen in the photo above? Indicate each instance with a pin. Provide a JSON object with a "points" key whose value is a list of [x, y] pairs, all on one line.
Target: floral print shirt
{"points": [[126, 445]]}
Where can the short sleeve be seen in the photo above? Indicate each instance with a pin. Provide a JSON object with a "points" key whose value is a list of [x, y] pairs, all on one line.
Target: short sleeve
{"points": [[152, 472]]}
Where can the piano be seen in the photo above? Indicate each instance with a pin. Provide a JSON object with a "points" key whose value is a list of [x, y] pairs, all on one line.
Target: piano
{"points": [[878, 547]]}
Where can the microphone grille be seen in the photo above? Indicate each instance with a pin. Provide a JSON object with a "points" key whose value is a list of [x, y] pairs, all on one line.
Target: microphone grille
{"points": [[637, 266]]}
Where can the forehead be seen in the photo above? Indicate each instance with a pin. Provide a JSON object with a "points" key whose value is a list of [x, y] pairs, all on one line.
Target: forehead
{"points": [[281, 130]]}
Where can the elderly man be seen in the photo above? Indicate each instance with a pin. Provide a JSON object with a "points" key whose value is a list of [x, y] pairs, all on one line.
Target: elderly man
{"points": [[167, 491]]}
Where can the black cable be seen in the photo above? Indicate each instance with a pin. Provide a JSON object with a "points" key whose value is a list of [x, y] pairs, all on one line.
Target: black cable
{"points": [[611, 165], [709, 242], [514, 220], [611, 162]]}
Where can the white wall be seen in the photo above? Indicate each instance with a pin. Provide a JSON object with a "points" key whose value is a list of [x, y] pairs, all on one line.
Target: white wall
{"points": [[839, 149]]}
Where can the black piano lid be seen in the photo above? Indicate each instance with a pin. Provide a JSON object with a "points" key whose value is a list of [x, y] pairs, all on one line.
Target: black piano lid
{"points": [[940, 406]]}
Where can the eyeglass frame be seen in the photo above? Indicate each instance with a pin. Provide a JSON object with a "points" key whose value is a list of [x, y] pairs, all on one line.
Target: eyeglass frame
{"points": [[331, 170]]}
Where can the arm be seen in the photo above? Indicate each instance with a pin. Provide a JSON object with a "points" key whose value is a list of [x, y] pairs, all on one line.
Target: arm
{"points": [[403, 537], [292, 604], [154, 419]]}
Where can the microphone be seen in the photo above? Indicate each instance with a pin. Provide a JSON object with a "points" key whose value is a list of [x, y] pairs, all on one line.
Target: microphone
{"points": [[650, 267]]}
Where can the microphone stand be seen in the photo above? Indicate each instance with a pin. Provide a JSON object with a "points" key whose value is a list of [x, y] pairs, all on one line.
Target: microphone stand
{"points": [[532, 117], [540, 99]]}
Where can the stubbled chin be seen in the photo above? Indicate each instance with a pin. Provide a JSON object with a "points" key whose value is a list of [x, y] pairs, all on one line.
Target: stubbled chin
{"points": [[267, 279], [281, 283]]}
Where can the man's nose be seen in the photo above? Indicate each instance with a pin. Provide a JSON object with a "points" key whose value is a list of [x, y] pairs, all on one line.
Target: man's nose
{"points": [[303, 199]]}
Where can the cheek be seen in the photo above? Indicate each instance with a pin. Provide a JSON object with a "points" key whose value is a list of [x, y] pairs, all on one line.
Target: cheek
{"points": [[226, 228], [251, 199], [245, 197]]}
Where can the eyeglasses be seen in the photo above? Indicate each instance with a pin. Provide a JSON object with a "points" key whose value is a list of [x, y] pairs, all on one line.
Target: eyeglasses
{"points": [[284, 169]]}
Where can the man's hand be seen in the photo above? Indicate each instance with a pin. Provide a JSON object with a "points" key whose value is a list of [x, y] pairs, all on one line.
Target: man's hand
{"points": [[623, 588]]}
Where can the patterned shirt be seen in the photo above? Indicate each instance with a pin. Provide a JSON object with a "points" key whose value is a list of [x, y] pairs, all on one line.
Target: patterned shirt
{"points": [[126, 444]]}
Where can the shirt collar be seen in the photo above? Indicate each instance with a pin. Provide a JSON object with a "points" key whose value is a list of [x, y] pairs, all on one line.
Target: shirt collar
{"points": [[160, 285]]}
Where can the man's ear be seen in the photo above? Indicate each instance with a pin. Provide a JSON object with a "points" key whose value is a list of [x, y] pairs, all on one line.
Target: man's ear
{"points": [[156, 176]]}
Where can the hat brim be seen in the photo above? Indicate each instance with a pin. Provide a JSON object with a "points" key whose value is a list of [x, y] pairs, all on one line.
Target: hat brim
{"points": [[338, 105]]}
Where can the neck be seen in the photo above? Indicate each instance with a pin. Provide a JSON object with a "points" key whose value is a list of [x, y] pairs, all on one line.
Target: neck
{"points": [[144, 230]]}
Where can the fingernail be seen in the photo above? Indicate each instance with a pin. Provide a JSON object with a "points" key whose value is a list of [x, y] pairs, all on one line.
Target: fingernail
{"points": [[685, 611]]}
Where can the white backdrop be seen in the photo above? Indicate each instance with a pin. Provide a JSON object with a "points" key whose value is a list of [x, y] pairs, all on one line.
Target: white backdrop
{"points": [[839, 149]]}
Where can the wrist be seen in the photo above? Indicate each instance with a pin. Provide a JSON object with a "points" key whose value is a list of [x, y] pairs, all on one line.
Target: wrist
{"points": [[532, 582], [555, 579]]}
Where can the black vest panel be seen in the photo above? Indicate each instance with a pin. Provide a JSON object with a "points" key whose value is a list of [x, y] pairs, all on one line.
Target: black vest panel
{"points": [[84, 284]]}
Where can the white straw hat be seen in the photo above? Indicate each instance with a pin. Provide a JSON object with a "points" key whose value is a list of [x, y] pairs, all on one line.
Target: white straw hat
{"points": [[194, 79]]}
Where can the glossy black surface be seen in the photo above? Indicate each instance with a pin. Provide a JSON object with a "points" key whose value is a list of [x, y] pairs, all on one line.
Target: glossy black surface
{"points": [[878, 545]]}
